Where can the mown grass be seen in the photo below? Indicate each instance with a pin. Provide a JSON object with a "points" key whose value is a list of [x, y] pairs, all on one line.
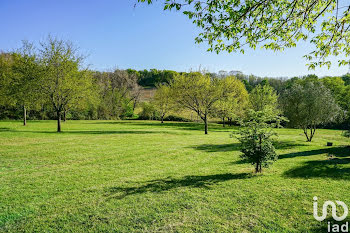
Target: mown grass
{"points": [[138, 176]]}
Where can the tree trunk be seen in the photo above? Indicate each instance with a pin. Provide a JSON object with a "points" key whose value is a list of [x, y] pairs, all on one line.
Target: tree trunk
{"points": [[306, 134], [258, 164], [134, 105], [205, 124], [162, 118], [313, 130], [257, 167], [223, 122], [229, 121], [64, 116], [58, 121], [24, 115]]}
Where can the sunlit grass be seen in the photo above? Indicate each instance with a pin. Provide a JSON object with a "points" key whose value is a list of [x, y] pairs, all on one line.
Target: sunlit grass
{"points": [[143, 176]]}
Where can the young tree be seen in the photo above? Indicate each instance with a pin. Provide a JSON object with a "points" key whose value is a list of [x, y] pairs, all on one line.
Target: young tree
{"points": [[233, 25], [264, 98], [308, 105], [256, 139], [163, 100], [63, 81], [197, 92], [233, 101]]}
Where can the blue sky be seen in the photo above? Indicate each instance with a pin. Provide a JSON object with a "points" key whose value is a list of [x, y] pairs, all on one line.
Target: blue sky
{"points": [[114, 33]]}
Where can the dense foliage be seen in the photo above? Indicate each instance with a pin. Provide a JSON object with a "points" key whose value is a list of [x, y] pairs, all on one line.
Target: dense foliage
{"points": [[309, 104], [197, 92], [234, 100]]}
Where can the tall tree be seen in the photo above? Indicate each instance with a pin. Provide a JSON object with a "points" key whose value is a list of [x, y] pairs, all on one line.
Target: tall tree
{"points": [[264, 98], [197, 92], [26, 75], [64, 81], [309, 105], [233, 25], [234, 99]]}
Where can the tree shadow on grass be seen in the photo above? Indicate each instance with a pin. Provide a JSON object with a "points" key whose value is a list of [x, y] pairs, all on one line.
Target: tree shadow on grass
{"points": [[328, 168], [4, 129], [172, 124], [218, 147], [95, 132], [285, 145], [117, 132], [236, 146], [341, 151], [169, 183]]}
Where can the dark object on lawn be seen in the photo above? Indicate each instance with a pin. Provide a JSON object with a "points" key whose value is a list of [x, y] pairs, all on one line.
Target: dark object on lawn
{"points": [[329, 143]]}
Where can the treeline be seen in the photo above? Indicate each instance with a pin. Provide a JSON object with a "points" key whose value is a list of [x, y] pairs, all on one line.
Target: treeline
{"points": [[306, 103], [49, 81], [154, 77]]}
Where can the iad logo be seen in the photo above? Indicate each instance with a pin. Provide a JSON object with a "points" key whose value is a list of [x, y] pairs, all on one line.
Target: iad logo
{"points": [[334, 210], [332, 227]]}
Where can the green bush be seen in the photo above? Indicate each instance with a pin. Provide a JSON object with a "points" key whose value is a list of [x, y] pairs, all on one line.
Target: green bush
{"points": [[149, 112], [256, 139]]}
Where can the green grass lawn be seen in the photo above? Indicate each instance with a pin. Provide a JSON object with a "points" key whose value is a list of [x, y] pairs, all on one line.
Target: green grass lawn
{"points": [[127, 176]]}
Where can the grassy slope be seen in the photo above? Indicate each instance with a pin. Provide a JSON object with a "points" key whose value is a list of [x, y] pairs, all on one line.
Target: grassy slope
{"points": [[143, 176]]}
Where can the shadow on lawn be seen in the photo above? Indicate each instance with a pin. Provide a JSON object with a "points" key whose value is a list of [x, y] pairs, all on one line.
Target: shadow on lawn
{"points": [[117, 132], [218, 147], [4, 129], [280, 145], [169, 183], [178, 125], [94, 132], [328, 168], [340, 151]]}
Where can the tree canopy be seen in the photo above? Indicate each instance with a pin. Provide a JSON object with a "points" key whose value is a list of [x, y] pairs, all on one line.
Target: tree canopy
{"points": [[234, 100], [232, 25], [163, 100], [309, 104], [197, 92], [64, 81], [264, 98]]}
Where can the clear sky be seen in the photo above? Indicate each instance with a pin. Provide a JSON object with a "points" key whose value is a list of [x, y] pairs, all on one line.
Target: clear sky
{"points": [[114, 33]]}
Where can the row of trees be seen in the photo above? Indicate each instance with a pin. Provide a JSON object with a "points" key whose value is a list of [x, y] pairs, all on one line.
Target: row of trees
{"points": [[234, 25], [50, 79], [307, 103], [204, 95], [50, 74]]}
